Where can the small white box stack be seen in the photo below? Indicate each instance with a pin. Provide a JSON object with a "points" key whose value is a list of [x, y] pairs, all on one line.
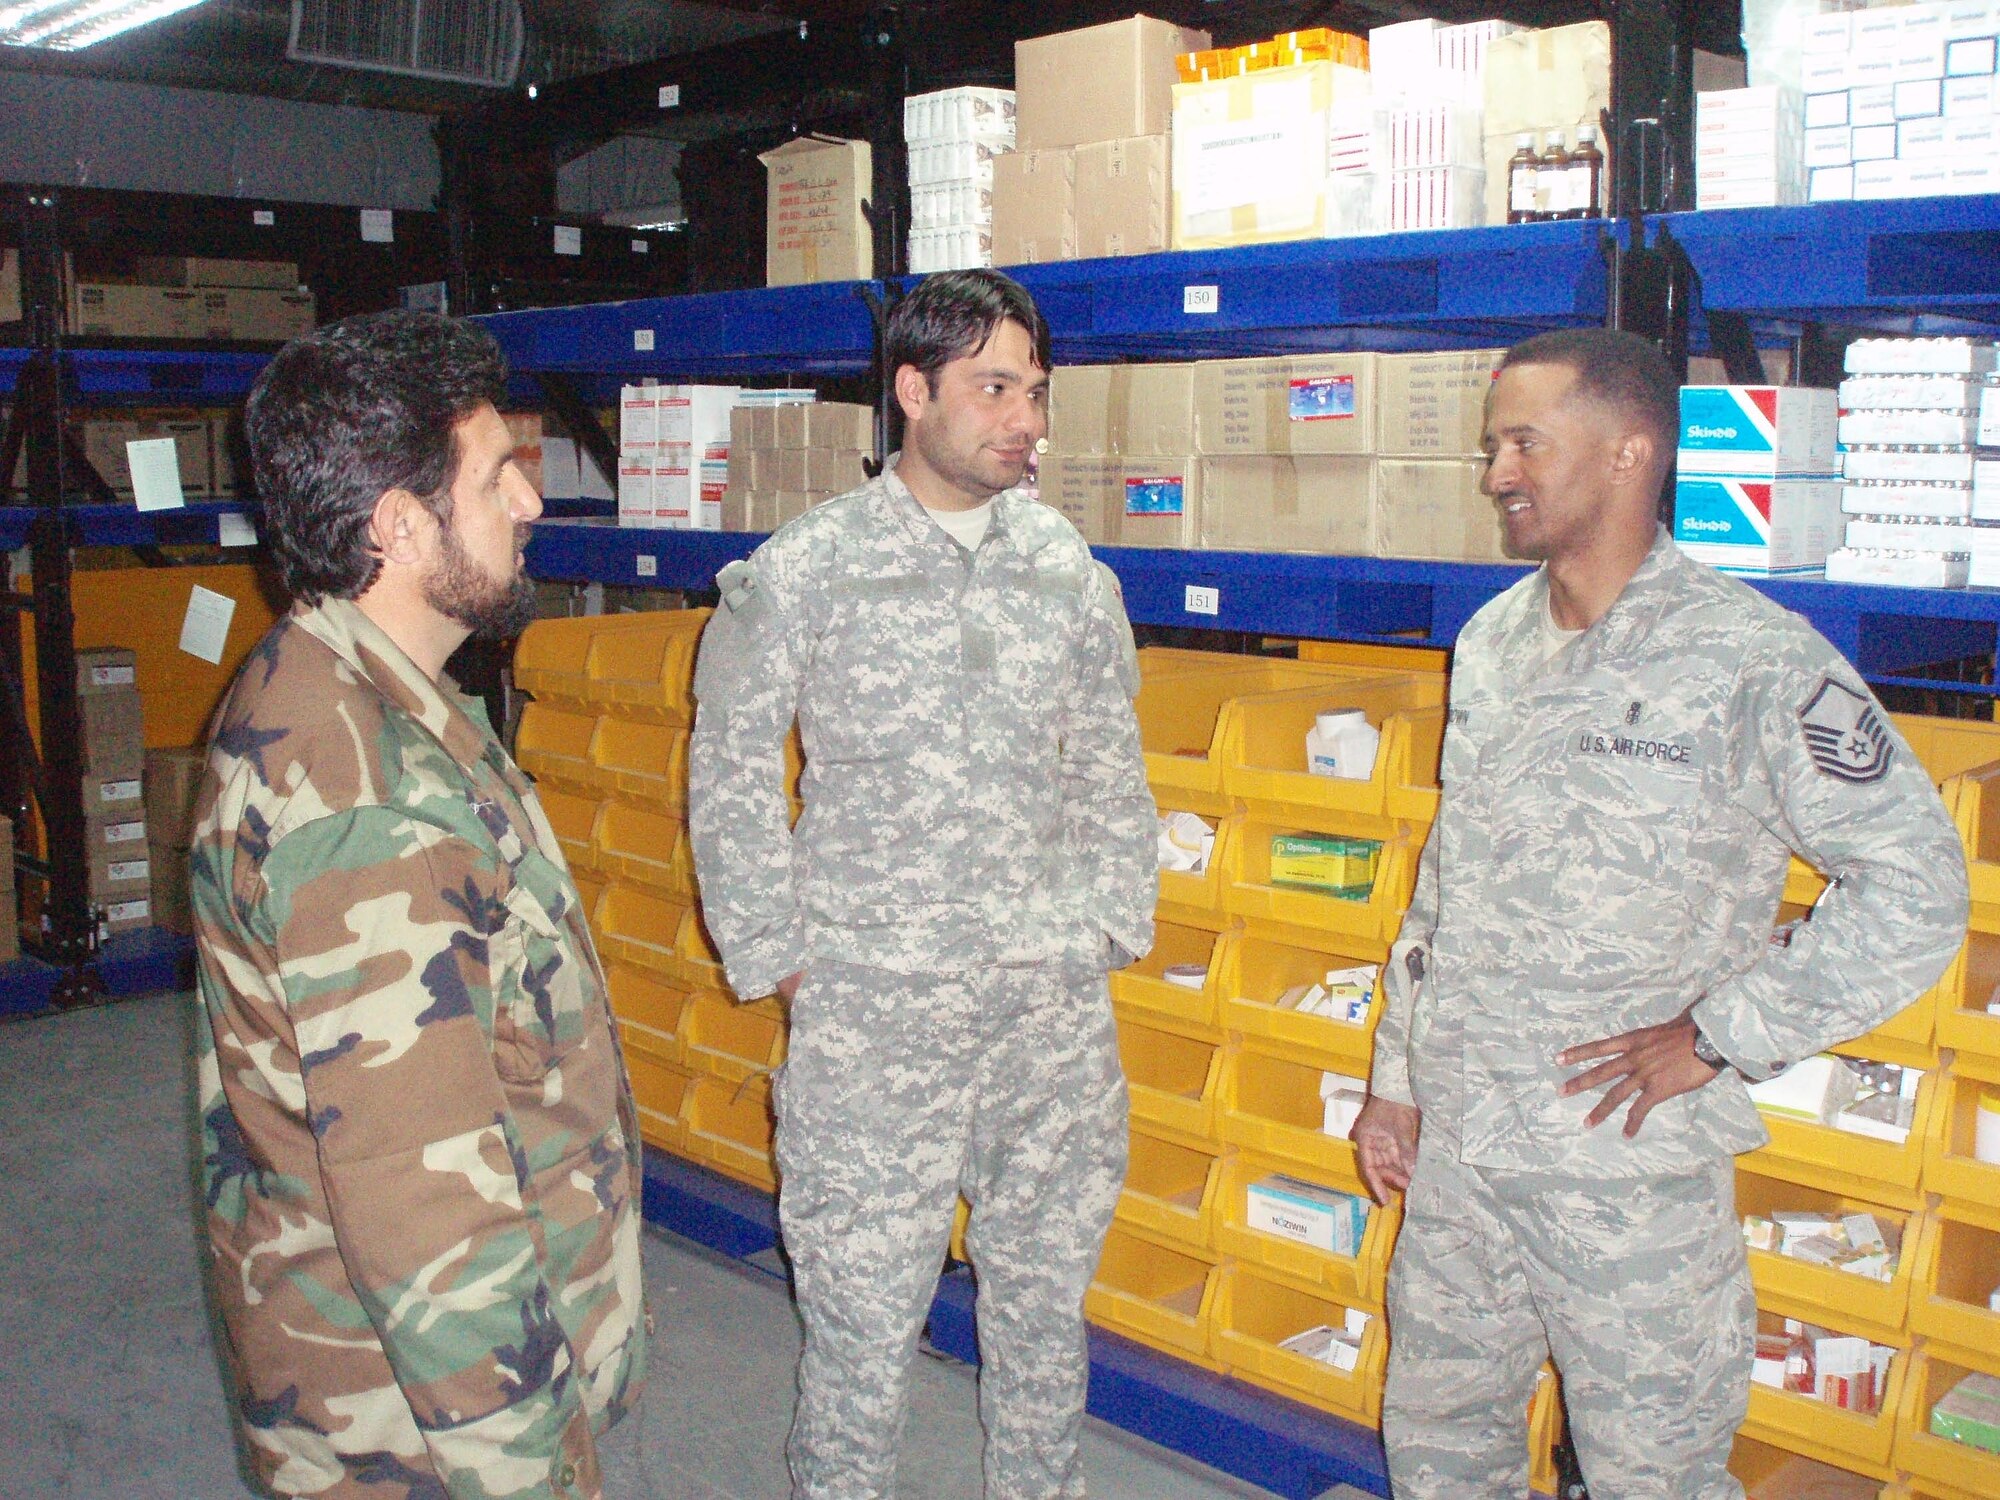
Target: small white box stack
{"points": [[1749, 148], [1413, 156], [1901, 102], [1923, 505], [953, 136], [673, 455]]}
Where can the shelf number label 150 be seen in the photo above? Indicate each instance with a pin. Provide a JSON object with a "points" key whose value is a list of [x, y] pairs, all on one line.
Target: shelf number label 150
{"points": [[1203, 600], [1201, 299]]}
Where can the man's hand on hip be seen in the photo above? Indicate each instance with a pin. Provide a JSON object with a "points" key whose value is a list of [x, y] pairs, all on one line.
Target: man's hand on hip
{"points": [[1385, 1145], [1648, 1066]]}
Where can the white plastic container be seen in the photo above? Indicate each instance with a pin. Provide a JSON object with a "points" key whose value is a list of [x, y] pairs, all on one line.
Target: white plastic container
{"points": [[1342, 743]]}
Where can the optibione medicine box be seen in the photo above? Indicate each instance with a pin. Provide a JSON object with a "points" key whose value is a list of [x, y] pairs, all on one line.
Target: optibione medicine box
{"points": [[1758, 429], [1307, 1213], [1757, 525]]}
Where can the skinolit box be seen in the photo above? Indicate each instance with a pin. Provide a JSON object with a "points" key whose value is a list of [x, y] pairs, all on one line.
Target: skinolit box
{"points": [[1758, 429], [1743, 525]]}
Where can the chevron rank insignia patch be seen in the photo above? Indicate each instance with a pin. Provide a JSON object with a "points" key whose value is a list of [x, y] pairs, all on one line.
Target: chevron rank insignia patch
{"points": [[1845, 735]]}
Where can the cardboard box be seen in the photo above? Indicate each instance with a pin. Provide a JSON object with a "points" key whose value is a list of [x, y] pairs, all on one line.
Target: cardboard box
{"points": [[114, 310], [1085, 488], [228, 455], [260, 316], [1122, 408], [106, 669], [788, 505], [110, 798], [1034, 207], [114, 838], [1547, 79], [1124, 198], [1433, 405], [835, 471], [1434, 507], [525, 427], [10, 915], [104, 445], [173, 779], [114, 734], [815, 230], [1757, 525], [839, 424], [1758, 430], [120, 874], [1099, 83], [172, 898], [1158, 501], [1250, 155], [197, 270], [788, 469], [126, 915], [10, 291], [1308, 403], [1271, 503]]}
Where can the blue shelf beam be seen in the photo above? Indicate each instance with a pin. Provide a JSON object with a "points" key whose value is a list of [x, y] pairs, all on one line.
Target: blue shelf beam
{"points": [[158, 377]]}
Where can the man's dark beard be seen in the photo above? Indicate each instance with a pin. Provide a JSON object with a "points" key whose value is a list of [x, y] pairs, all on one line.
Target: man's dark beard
{"points": [[460, 590]]}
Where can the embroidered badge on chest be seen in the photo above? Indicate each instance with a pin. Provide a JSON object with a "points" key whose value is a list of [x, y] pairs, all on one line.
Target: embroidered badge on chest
{"points": [[1845, 735], [1632, 713]]}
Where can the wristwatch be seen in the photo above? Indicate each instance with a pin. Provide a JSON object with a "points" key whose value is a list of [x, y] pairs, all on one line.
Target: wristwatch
{"points": [[1704, 1050]]}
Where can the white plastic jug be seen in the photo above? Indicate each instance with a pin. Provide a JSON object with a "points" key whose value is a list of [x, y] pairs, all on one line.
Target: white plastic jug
{"points": [[1342, 743]]}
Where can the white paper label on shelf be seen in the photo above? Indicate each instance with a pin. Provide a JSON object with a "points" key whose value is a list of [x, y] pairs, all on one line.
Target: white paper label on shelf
{"points": [[641, 247], [1203, 600], [642, 339], [649, 567], [156, 473], [263, 218], [670, 96], [127, 869], [569, 239], [119, 791], [205, 628], [235, 530], [1201, 299], [378, 226]]}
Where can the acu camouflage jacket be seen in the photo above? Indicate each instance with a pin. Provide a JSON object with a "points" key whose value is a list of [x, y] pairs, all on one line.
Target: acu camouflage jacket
{"points": [[421, 1158]]}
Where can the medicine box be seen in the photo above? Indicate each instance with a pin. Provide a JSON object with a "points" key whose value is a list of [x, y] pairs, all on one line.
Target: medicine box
{"points": [[1293, 1209], [1757, 525], [1758, 429], [1343, 867]]}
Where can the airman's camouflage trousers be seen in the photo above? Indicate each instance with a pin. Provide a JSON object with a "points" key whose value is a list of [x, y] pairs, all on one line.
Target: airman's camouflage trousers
{"points": [[1638, 1286], [899, 1092]]}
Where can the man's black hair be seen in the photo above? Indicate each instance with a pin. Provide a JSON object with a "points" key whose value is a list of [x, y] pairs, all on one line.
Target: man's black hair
{"points": [[1616, 369], [952, 314], [353, 410]]}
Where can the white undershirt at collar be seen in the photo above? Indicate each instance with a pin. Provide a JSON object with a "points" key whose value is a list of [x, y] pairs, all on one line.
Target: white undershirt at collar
{"points": [[966, 527]]}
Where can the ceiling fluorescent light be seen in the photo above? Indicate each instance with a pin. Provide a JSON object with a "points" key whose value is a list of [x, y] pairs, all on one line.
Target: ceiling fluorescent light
{"points": [[69, 24]]}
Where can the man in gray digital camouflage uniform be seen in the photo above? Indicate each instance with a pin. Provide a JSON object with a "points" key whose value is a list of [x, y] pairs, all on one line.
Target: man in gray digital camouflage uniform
{"points": [[976, 850], [421, 1157], [1636, 746]]}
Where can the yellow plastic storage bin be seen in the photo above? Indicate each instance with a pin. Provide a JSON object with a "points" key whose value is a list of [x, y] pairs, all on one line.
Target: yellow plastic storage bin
{"points": [[1850, 1440], [1950, 747], [1264, 752], [1957, 1267], [650, 1009], [552, 657], [590, 886], [1170, 1191], [1162, 1297], [660, 1090], [1544, 1426], [1843, 1161], [1255, 1314], [641, 762], [1271, 1104], [1880, 1309], [733, 1042], [1951, 1169], [1774, 1473], [1964, 1024], [1174, 1081], [1974, 801], [645, 846], [647, 671], [697, 959], [1257, 969], [1358, 1280], [1376, 657], [1413, 747], [640, 927], [552, 745], [574, 819], [1195, 899], [729, 1126], [1935, 1463], [1314, 917], [1144, 991]]}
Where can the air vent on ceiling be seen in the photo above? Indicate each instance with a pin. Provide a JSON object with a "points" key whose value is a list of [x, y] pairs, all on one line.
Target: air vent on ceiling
{"points": [[458, 41]]}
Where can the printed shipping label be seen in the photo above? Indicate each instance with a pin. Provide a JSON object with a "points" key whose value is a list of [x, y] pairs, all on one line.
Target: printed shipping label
{"points": [[1160, 496], [113, 676], [1321, 398]]}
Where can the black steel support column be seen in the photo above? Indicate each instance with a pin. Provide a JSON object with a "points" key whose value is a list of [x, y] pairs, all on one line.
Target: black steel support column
{"points": [[888, 83], [1652, 106], [455, 203]]}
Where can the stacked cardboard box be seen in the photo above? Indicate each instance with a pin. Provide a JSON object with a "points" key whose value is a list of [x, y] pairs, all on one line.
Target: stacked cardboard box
{"points": [[788, 456], [114, 760], [1091, 175], [190, 297], [1901, 102], [1430, 414], [1749, 148], [673, 455], [1756, 487], [1539, 83], [173, 778], [814, 227], [956, 140], [193, 434]]}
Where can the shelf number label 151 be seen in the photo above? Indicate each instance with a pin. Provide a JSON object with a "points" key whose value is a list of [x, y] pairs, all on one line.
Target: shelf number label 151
{"points": [[1203, 600], [1201, 299]]}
